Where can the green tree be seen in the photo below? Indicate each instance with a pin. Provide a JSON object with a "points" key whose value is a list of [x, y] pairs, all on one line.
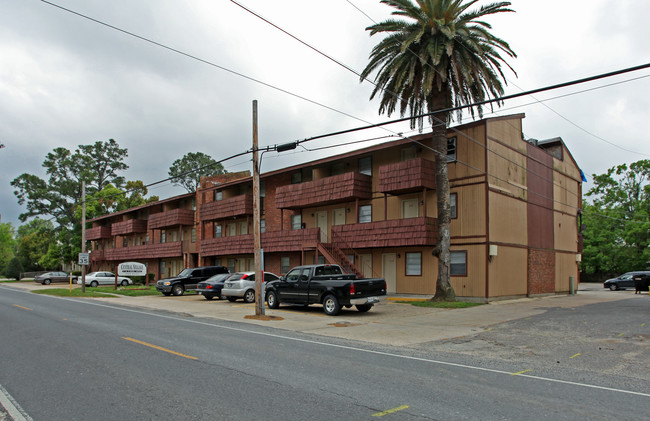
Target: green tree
{"points": [[97, 164], [34, 239], [114, 199], [617, 221], [14, 269], [188, 170], [436, 56], [7, 245]]}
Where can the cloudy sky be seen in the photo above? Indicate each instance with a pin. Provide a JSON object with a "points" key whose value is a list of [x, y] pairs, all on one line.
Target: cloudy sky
{"points": [[66, 80]]}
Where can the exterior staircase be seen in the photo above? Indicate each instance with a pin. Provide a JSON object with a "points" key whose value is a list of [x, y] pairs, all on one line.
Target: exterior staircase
{"points": [[335, 255]]}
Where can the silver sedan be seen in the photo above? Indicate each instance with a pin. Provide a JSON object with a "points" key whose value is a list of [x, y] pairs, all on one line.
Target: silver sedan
{"points": [[94, 279]]}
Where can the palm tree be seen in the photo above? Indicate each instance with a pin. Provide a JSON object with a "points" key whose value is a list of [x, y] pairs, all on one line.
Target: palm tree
{"points": [[438, 56]]}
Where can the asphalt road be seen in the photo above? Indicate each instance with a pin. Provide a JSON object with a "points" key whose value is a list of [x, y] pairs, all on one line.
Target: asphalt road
{"points": [[66, 359]]}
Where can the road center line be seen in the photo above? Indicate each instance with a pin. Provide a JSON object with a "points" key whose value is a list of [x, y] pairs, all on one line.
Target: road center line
{"points": [[24, 308], [324, 344], [390, 411], [160, 348]]}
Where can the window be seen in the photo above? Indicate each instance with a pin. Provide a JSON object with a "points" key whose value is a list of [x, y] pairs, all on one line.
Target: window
{"points": [[146, 239], [194, 203], [451, 149], [218, 195], [296, 178], [193, 235], [414, 264], [365, 214], [453, 199], [231, 265], [262, 188], [285, 264], [163, 237], [408, 153], [263, 225], [163, 268], [458, 266], [125, 242], [296, 222], [365, 165], [321, 260], [217, 231]]}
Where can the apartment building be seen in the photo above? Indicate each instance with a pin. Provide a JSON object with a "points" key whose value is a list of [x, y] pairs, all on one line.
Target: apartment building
{"points": [[514, 230]]}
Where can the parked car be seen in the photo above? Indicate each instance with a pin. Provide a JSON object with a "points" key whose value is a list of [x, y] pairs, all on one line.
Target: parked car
{"points": [[242, 285], [326, 285], [626, 280], [212, 286], [188, 279], [49, 277], [94, 279]]}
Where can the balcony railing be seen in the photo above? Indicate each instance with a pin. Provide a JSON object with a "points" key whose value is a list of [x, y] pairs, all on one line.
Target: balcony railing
{"points": [[407, 176], [324, 191], [98, 233], [227, 208], [132, 226], [150, 251], [392, 233], [276, 241], [171, 218]]}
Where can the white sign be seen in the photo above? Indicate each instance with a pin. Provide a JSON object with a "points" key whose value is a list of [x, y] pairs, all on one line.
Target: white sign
{"points": [[131, 269], [84, 259]]}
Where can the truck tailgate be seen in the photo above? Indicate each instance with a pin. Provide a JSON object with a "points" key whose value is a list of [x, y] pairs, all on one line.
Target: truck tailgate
{"points": [[369, 287]]}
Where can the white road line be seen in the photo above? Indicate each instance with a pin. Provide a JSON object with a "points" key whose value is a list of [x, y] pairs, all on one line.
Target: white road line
{"points": [[369, 351], [11, 406]]}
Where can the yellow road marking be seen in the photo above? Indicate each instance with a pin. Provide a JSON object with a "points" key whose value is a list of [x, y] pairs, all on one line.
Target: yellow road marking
{"points": [[390, 411], [621, 334], [642, 324], [520, 372], [573, 356], [160, 348], [24, 308]]}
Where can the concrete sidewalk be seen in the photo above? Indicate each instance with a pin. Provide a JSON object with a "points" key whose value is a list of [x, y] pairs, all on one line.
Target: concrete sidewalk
{"points": [[388, 323]]}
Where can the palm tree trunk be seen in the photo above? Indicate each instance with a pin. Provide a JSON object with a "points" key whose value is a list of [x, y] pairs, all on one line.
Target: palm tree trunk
{"points": [[444, 290]]}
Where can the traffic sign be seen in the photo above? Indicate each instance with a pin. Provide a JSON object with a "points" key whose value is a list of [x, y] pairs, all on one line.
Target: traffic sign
{"points": [[84, 259]]}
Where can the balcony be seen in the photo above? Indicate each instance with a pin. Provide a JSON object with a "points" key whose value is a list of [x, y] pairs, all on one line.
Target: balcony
{"points": [[132, 226], [227, 208], [276, 241], [408, 176], [98, 233], [97, 255], [420, 231], [171, 218], [150, 251], [325, 191]]}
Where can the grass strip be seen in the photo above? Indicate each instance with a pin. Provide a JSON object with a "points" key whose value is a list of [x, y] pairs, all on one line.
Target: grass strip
{"points": [[101, 292]]}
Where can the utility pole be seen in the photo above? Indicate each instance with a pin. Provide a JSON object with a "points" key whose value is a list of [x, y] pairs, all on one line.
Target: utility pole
{"points": [[83, 234], [257, 240]]}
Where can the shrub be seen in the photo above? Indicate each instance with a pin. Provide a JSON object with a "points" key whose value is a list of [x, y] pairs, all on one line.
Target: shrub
{"points": [[14, 269]]}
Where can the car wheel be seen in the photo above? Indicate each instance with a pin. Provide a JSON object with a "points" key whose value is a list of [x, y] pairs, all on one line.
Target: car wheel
{"points": [[331, 305], [208, 296], [177, 290], [364, 307], [94, 284], [125, 283], [249, 296], [232, 299], [47, 282], [272, 300], [613, 287]]}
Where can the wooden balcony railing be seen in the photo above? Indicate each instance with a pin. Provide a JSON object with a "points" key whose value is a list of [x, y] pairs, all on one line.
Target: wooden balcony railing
{"points": [[325, 191], [227, 208], [392, 233], [171, 218], [407, 176]]}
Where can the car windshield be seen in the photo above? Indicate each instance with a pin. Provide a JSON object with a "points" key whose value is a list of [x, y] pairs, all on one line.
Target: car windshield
{"points": [[217, 278], [185, 272]]}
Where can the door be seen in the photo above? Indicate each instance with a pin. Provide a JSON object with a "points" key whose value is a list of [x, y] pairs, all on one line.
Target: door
{"points": [[294, 288], [389, 271], [321, 222], [365, 265], [339, 216], [243, 228], [410, 208], [232, 230]]}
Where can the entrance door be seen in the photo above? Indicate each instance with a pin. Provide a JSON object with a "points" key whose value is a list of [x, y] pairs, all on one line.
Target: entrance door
{"points": [[366, 265], [338, 216], [389, 270], [321, 222], [410, 208]]}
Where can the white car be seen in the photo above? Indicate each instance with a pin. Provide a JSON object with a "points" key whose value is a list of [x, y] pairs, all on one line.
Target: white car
{"points": [[242, 285], [105, 278]]}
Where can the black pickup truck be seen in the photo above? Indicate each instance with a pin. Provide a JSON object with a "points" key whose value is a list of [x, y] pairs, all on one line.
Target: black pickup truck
{"points": [[326, 285]]}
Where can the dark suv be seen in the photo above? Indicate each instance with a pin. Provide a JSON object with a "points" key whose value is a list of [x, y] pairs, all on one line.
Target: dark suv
{"points": [[188, 279]]}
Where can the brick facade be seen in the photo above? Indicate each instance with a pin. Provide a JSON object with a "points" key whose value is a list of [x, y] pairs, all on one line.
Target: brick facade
{"points": [[541, 271]]}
